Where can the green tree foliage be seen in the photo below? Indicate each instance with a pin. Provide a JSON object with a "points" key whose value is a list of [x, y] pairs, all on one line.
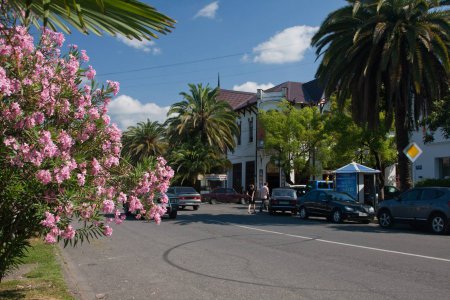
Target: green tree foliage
{"points": [[295, 137], [438, 119], [194, 158], [146, 139], [351, 142], [386, 55], [131, 18], [201, 115]]}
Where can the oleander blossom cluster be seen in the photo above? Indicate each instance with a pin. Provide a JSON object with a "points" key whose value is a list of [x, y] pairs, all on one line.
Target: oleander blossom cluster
{"points": [[55, 127]]}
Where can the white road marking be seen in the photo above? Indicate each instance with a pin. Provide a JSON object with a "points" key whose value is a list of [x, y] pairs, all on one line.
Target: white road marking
{"points": [[338, 243]]}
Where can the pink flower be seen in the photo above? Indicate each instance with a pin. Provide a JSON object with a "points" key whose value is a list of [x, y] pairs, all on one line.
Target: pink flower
{"points": [[107, 231], [50, 239], [96, 168], [68, 233], [90, 73], [93, 113], [114, 85], [44, 176], [108, 206], [64, 140], [38, 117], [81, 179], [84, 56], [49, 221]]}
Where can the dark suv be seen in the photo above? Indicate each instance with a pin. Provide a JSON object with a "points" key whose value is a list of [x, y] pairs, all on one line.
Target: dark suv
{"points": [[419, 205], [335, 206]]}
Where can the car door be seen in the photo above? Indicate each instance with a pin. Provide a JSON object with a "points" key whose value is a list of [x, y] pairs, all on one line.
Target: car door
{"points": [[310, 201], [322, 204], [425, 204], [404, 208], [230, 195]]}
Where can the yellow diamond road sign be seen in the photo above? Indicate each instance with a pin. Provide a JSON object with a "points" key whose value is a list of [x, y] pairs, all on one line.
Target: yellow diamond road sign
{"points": [[412, 151]]}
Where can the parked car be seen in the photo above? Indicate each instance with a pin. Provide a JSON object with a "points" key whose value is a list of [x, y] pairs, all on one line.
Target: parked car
{"points": [[429, 205], [391, 192], [187, 196], [320, 185], [226, 195], [171, 206], [301, 189], [335, 206], [283, 199]]}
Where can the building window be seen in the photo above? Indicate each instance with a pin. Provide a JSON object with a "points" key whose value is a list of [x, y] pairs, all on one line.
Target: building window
{"points": [[250, 130], [237, 176], [444, 167], [239, 133]]}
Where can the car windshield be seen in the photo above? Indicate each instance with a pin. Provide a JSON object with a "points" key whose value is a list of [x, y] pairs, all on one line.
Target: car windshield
{"points": [[186, 190], [341, 196], [284, 193]]}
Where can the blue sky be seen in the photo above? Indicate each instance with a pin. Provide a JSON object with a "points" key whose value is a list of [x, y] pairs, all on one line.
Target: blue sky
{"points": [[251, 43]]}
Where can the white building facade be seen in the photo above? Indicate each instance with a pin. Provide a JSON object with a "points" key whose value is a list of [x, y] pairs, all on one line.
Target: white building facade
{"points": [[434, 162], [251, 163]]}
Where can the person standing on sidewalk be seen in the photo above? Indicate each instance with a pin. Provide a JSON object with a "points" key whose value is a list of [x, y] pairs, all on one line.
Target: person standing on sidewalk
{"points": [[251, 201], [264, 194]]}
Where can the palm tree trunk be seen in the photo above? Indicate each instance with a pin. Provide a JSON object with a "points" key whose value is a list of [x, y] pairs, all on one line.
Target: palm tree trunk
{"points": [[402, 139]]}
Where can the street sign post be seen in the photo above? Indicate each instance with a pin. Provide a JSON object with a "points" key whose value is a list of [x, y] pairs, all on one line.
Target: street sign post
{"points": [[412, 151]]}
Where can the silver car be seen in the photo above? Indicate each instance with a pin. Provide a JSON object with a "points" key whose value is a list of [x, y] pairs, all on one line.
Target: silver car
{"points": [[430, 205]]}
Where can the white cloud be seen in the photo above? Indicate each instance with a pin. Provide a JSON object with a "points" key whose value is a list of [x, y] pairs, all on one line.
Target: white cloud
{"points": [[209, 11], [126, 111], [251, 86], [144, 45], [286, 46]]}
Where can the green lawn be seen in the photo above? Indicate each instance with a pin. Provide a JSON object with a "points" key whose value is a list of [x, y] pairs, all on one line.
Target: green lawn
{"points": [[45, 279]]}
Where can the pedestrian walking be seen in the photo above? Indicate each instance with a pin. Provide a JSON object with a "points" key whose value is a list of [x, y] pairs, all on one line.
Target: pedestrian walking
{"points": [[264, 194], [252, 200]]}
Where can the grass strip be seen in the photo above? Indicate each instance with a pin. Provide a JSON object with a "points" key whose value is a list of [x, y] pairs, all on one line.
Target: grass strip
{"points": [[45, 279]]}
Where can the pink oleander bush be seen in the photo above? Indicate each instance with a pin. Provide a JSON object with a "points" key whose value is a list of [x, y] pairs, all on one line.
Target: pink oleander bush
{"points": [[59, 153]]}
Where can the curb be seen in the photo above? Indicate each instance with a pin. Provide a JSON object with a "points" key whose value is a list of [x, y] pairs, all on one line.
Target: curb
{"points": [[76, 284]]}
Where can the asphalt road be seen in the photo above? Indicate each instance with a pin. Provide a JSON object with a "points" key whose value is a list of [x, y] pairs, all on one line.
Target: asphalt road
{"points": [[221, 252]]}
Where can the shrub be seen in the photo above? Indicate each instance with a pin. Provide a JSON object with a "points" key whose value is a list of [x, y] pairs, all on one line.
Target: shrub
{"points": [[59, 154]]}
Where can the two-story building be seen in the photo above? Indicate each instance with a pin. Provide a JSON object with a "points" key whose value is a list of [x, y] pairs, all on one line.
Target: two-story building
{"points": [[251, 162]]}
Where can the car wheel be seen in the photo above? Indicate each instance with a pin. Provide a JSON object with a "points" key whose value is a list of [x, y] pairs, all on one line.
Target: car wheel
{"points": [[173, 214], [438, 223], [385, 219], [242, 201], [195, 207], [213, 201], [336, 216], [303, 213]]}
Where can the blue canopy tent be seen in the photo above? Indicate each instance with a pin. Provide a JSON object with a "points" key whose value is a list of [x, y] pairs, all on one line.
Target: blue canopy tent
{"points": [[350, 179]]}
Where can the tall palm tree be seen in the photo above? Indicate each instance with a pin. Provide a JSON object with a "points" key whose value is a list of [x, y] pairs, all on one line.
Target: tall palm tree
{"points": [[144, 140], [201, 115], [386, 55], [131, 18]]}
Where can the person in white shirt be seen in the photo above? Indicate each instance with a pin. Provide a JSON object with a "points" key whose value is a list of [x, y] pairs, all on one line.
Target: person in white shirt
{"points": [[264, 194]]}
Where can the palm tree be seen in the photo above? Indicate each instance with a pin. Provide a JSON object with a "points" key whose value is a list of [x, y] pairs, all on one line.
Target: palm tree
{"points": [[386, 55], [131, 18], [201, 115], [193, 158], [144, 140]]}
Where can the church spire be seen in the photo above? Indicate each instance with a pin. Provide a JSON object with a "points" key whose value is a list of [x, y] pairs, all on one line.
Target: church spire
{"points": [[218, 80]]}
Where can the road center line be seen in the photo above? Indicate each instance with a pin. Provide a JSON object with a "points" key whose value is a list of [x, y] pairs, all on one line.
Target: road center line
{"points": [[338, 243]]}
